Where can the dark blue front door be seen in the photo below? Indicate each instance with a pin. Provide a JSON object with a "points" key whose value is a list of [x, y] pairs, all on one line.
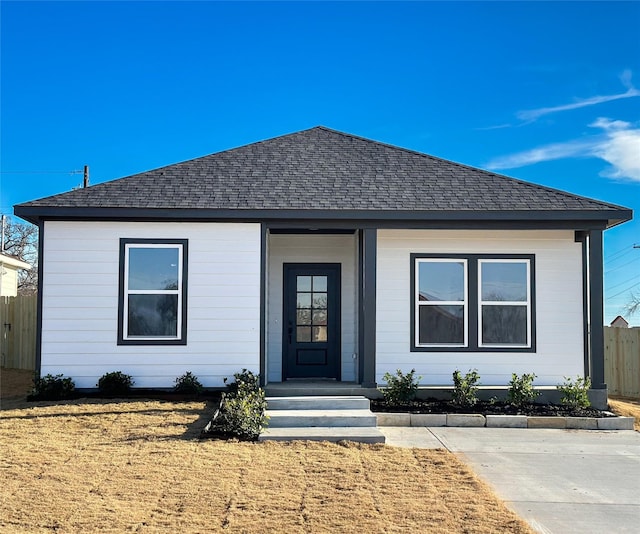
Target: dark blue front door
{"points": [[311, 329]]}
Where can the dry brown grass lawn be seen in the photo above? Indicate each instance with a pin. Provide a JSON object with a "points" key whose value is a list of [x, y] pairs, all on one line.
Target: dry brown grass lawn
{"points": [[626, 407], [138, 466]]}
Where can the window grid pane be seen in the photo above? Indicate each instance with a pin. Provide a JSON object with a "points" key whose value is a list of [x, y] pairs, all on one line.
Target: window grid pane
{"points": [[442, 281], [504, 281], [441, 325], [504, 325], [153, 268], [153, 315], [319, 283], [311, 309]]}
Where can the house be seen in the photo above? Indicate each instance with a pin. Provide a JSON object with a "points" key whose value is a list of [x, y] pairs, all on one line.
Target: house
{"points": [[321, 255], [619, 322], [9, 267]]}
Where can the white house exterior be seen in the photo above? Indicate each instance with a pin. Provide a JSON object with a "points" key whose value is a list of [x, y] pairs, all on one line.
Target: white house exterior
{"points": [[80, 303], [9, 267], [559, 336], [320, 255]]}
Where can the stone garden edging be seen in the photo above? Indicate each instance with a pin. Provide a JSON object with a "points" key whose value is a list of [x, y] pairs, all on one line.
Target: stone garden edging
{"points": [[504, 421]]}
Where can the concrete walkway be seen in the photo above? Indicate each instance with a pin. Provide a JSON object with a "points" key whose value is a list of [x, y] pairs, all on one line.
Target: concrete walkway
{"points": [[559, 481]]}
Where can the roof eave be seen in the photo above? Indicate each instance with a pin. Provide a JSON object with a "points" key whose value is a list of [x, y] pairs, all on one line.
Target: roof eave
{"points": [[14, 262], [605, 217]]}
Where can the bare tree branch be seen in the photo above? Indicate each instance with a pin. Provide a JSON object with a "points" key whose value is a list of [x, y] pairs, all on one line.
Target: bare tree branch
{"points": [[21, 241], [633, 305]]}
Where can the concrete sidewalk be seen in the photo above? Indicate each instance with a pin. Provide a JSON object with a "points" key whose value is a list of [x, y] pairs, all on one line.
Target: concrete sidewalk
{"points": [[559, 481]]}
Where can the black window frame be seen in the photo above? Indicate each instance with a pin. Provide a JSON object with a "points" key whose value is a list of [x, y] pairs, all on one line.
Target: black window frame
{"points": [[182, 331], [473, 302]]}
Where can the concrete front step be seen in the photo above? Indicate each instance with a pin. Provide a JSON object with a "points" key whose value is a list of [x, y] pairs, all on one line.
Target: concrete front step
{"points": [[324, 389], [321, 418], [315, 418], [342, 402], [334, 434]]}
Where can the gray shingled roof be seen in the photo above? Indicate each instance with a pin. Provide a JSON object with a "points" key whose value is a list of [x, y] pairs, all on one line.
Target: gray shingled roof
{"points": [[319, 169]]}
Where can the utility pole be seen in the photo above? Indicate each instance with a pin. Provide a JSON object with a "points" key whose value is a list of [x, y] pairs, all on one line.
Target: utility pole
{"points": [[85, 182], [4, 222]]}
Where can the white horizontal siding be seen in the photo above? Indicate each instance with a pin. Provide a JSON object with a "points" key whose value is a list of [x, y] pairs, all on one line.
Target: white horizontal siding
{"points": [[80, 303], [144, 376], [558, 279], [8, 281], [340, 249]]}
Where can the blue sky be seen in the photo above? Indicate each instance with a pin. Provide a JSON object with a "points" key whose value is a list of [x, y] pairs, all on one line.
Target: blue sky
{"points": [[542, 91]]}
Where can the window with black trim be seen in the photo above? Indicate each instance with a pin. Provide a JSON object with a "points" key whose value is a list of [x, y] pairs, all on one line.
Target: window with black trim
{"points": [[472, 302], [152, 306]]}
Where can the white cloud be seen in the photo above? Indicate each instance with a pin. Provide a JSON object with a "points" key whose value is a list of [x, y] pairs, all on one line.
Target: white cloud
{"points": [[551, 152], [619, 145], [621, 149], [625, 78], [496, 127], [531, 115]]}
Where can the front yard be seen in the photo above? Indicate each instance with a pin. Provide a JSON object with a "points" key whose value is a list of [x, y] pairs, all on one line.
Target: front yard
{"points": [[138, 466]]}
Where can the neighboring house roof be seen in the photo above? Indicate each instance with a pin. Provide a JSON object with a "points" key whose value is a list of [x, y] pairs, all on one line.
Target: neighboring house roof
{"points": [[324, 174], [619, 322], [14, 262]]}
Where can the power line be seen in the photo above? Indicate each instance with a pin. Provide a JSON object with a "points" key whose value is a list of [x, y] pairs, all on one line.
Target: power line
{"points": [[620, 252], [621, 266], [626, 247], [623, 291], [612, 260], [625, 282], [42, 172]]}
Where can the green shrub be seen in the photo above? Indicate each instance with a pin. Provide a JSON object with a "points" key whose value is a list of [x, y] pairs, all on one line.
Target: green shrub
{"points": [[116, 383], [574, 394], [400, 388], [242, 410], [244, 381], [188, 383], [243, 415], [51, 387], [521, 390], [465, 391]]}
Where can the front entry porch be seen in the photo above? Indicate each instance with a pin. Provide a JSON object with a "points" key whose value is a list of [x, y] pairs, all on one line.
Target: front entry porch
{"points": [[315, 316]]}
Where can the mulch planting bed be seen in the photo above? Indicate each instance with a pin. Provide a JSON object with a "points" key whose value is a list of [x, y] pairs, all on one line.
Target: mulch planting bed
{"points": [[435, 406]]}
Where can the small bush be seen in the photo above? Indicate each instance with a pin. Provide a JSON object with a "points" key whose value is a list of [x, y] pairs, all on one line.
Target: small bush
{"points": [[116, 383], [245, 381], [51, 387], [188, 383], [242, 410], [574, 394], [400, 388], [465, 391], [243, 416], [521, 390]]}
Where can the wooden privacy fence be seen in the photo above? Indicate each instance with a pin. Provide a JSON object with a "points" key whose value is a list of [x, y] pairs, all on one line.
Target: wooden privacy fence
{"points": [[622, 361], [18, 331]]}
